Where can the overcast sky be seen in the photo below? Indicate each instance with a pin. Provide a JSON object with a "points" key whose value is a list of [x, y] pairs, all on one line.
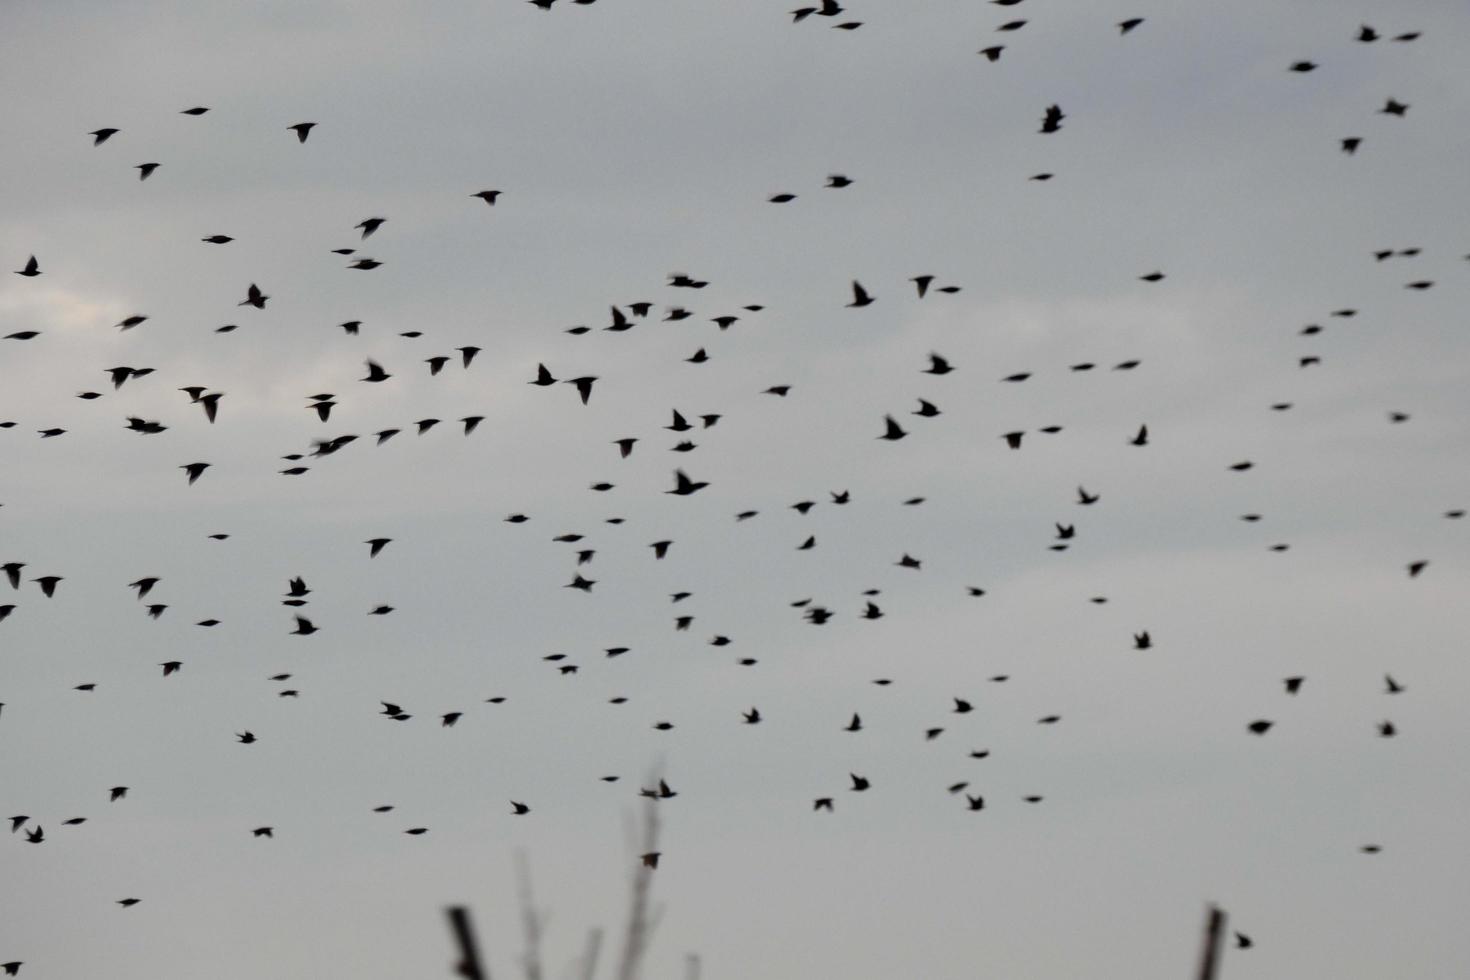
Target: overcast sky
{"points": [[633, 139]]}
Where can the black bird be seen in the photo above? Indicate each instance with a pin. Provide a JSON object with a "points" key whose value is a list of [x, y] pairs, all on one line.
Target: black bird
{"points": [[519, 809], [370, 225], [436, 363], [1052, 121], [1293, 684], [1083, 497], [100, 136], [1259, 727], [543, 377], [487, 196], [171, 666], [891, 430], [993, 52], [376, 545], [36, 836], [859, 783], [1392, 686], [375, 372], [1350, 144], [937, 365], [145, 170], [1013, 439], [254, 297], [47, 584], [1142, 641], [364, 264], [1394, 108], [584, 386], [837, 180], [1124, 26], [860, 295], [143, 585], [683, 486], [301, 130], [12, 968], [1367, 34], [32, 268], [1141, 439]]}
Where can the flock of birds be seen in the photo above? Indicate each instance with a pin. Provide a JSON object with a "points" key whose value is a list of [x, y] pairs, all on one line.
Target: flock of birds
{"points": [[30, 578]]}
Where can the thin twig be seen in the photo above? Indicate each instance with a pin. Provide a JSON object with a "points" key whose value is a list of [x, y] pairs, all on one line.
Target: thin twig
{"points": [[532, 921], [1214, 929], [469, 965], [589, 956]]}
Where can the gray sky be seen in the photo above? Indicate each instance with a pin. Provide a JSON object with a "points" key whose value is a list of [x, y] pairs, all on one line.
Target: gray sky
{"points": [[636, 138]]}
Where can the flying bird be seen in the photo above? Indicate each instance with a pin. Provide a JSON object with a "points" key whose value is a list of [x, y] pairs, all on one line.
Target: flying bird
{"points": [[302, 130]]}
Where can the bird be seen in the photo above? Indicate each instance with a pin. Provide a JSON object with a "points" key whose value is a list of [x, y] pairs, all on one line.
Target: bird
{"points": [[1350, 144], [838, 180], [1293, 684], [171, 666], [145, 170], [128, 903], [1303, 66], [12, 969], [1141, 438], [1051, 122], [937, 365], [860, 295], [1392, 686], [302, 130], [31, 269], [488, 197], [859, 783], [1125, 26], [683, 486], [583, 385], [48, 584], [144, 585], [891, 430], [376, 372], [117, 793], [370, 225], [519, 809], [254, 297], [1142, 641], [245, 738], [1392, 107], [376, 545], [304, 627], [100, 136], [992, 53], [1259, 727]]}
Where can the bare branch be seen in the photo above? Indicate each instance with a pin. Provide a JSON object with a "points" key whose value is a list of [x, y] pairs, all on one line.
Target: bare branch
{"points": [[469, 965]]}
